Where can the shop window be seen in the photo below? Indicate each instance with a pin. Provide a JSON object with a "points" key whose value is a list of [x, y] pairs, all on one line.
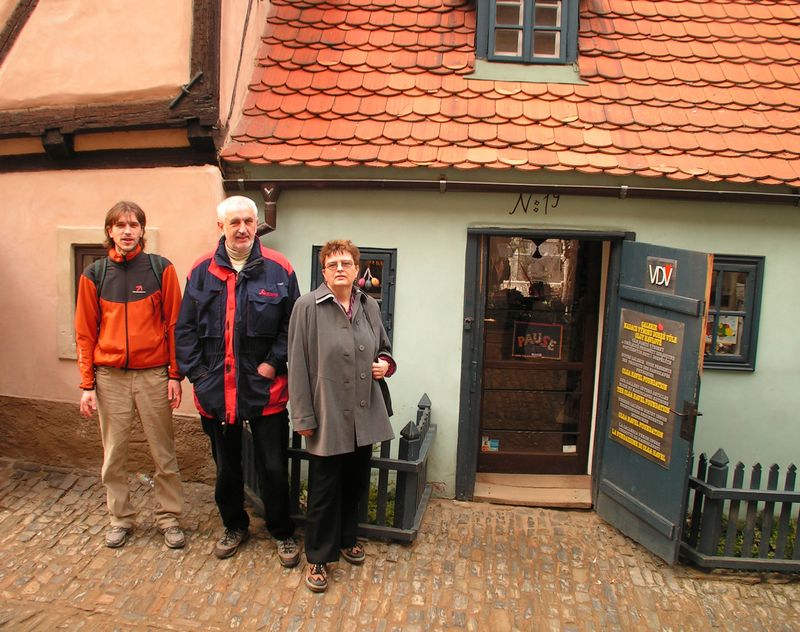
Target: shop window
{"points": [[734, 305], [376, 277], [528, 31]]}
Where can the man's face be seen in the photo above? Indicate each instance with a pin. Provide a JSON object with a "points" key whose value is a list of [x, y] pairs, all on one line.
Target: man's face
{"points": [[126, 233], [339, 270], [240, 230]]}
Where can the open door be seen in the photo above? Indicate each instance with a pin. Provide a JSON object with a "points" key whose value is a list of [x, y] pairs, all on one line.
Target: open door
{"points": [[655, 354]]}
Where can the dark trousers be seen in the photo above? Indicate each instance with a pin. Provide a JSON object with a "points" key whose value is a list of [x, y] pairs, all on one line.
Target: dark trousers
{"points": [[271, 448], [335, 486]]}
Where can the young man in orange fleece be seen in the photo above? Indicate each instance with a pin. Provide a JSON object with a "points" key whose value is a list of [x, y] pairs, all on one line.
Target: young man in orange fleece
{"points": [[125, 320]]}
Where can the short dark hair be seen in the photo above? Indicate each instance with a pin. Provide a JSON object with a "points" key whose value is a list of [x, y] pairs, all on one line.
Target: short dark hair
{"points": [[118, 210], [339, 245]]}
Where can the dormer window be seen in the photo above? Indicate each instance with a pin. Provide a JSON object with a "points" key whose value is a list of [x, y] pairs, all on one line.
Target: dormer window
{"points": [[528, 31]]}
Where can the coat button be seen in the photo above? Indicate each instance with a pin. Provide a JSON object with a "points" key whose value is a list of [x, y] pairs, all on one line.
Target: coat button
{"points": [[360, 347], [363, 375], [363, 403]]}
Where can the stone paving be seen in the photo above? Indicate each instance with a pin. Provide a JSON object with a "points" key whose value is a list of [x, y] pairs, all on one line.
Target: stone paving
{"points": [[473, 567]]}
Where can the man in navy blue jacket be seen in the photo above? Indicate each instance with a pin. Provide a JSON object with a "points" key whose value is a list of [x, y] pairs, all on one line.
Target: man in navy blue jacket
{"points": [[231, 342]]}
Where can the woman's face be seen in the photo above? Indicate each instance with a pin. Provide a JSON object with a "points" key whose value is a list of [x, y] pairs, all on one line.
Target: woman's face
{"points": [[339, 270]]}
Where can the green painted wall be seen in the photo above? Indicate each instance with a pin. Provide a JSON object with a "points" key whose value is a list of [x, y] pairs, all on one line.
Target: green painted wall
{"points": [[754, 416]]}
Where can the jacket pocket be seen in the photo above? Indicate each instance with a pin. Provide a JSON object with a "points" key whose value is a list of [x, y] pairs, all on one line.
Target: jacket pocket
{"points": [[208, 311], [209, 395], [254, 393], [265, 310]]}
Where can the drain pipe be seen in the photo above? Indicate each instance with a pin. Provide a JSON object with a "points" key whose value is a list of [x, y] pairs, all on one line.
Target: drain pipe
{"points": [[271, 190]]}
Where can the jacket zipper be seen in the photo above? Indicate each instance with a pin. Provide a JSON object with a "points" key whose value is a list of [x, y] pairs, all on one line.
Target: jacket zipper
{"points": [[127, 341]]}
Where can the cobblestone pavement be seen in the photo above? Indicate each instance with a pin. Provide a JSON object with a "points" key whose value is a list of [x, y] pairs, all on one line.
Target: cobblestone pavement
{"points": [[473, 567]]}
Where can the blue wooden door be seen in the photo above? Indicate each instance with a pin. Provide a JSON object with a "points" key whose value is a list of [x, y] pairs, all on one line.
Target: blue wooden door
{"points": [[646, 432]]}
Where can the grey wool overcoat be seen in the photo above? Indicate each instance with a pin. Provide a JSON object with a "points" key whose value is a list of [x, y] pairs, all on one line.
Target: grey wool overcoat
{"points": [[330, 373]]}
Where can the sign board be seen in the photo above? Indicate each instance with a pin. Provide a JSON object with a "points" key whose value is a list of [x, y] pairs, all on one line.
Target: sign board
{"points": [[537, 340], [647, 370]]}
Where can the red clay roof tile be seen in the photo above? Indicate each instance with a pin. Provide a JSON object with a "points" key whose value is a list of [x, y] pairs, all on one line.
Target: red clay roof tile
{"points": [[680, 89]]}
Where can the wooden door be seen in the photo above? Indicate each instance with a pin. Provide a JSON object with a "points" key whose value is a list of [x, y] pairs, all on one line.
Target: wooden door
{"points": [[540, 336], [646, 433]]}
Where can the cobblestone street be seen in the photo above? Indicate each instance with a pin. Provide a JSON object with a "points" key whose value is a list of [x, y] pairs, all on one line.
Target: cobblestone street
{"points": [[473, 567]]}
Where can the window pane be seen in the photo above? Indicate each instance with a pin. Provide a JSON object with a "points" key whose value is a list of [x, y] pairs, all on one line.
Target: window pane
{"points": [[545, 43], [713, 294], [709, 333], [733, 290], [547, 13], [507, 42], [509, 14], [370, 278], [729, 335]]}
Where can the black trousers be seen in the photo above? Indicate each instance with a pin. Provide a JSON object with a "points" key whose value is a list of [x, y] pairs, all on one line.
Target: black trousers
{"points": [[271, 448], [335, 486]]}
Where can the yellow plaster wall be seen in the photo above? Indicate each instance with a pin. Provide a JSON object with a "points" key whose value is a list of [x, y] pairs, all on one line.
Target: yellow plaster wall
{"points": [[179, 203], [73, 51], [6, 8], [234, 16]]}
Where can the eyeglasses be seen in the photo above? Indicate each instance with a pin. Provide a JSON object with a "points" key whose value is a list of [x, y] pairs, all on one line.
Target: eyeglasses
{"points": [[332, 266]]}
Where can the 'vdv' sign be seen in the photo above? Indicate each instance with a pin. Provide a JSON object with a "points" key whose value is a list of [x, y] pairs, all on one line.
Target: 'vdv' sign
{"points": [[661, 274]]}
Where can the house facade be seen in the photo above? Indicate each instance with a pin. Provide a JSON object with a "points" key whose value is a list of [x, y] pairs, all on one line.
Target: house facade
{"points": [[491, 158], [101, 103], [494, 157]]}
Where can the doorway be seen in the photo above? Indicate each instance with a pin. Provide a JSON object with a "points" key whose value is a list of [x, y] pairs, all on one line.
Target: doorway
{"points": [[532, 301], [539, 351]]}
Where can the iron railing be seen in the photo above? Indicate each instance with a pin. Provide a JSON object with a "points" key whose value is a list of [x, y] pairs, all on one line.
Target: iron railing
{"points": [[399, 490]]}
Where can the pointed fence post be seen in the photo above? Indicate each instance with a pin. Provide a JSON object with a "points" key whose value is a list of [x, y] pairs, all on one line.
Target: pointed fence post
{"points": [[410, 485], [711, 522], [405, 504]]}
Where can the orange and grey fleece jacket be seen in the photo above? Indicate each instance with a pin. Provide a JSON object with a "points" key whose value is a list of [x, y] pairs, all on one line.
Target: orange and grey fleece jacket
{"points": [[130, 322]]}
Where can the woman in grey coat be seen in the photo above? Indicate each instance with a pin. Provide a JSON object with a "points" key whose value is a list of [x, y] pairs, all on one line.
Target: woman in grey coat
{"points": [[338, 350]]}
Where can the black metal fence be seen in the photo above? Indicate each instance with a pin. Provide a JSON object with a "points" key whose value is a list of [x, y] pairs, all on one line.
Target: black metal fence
{"points": [[742, 527], [399, 492]]}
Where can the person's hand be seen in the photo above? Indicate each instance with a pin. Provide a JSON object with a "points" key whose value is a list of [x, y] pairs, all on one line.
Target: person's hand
{"points": [[174, 392], [266, 370], [88, 403], [305, 433], [379, 369]]}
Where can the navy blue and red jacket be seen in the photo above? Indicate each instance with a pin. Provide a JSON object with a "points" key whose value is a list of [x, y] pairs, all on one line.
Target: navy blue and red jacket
{"points": [[230, 323]]}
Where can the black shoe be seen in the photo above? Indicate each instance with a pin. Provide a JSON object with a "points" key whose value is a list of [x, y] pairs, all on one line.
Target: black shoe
{"points": [[288, 552], [229, 543]]}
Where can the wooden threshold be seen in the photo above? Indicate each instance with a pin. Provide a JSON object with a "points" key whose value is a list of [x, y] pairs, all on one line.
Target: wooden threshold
{"points": [[534, 490]]}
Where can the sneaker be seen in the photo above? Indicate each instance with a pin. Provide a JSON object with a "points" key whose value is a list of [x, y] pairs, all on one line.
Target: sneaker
{"points": [[230, 541], [173, 537], [288, 552], [317, 577], [116, 537], [354, 554]]}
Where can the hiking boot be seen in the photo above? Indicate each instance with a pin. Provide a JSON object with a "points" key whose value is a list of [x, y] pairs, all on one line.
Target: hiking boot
{"points": [[317, 577], [288, 552], [230, 541], [354, 554], [116, 537], [173, 537]]}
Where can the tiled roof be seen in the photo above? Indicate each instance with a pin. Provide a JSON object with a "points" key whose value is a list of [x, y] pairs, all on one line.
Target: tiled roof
{"points": [[677, 88]]}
